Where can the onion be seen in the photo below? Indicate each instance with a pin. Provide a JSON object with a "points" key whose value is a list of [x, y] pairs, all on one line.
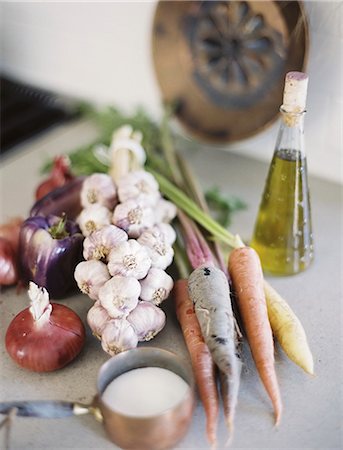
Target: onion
{"points": [[46, 336], [10, 231], [8, 267]]}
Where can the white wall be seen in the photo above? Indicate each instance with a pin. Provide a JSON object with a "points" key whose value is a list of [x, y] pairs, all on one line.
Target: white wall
{"points": [[101, 52]]}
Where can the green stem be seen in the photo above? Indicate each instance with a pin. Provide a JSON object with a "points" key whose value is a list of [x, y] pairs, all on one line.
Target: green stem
{"points": [[58, 230], [190, 208], [181, 260]]}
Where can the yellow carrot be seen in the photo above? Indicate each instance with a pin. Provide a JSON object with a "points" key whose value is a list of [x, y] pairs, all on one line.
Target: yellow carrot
{"points": [[288, 330]]}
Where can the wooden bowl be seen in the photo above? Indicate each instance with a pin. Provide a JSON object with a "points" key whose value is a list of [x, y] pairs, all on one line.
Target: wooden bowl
{"points": [[223, 63]]}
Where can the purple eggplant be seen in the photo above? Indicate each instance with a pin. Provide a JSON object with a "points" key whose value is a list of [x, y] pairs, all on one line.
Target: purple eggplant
{"points": [[50, 248], [62, 200]]}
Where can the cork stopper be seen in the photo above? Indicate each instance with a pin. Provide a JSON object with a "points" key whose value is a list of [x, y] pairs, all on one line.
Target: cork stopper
{"points": [[295, 92]]}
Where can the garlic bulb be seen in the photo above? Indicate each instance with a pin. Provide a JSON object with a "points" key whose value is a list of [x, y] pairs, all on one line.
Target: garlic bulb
{"points": [[93, 218], [165, 211], [139, 185], [129, 258], [119, 296], [97, 318], [99, 244], [118, 336], [147, 320], [99, 188], [156, 286], [90, 276], [165, 230], [160, 252], [133, 217]]}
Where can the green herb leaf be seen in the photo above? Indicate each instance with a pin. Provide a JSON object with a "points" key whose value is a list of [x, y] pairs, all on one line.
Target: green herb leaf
{"points": [[222, 206]]}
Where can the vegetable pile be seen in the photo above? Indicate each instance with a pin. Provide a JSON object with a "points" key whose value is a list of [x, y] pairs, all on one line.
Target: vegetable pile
{"points": [[106, 225]]}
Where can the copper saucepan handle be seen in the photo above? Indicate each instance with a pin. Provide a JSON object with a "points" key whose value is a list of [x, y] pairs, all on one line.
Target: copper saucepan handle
{"points": [[49, 409]]}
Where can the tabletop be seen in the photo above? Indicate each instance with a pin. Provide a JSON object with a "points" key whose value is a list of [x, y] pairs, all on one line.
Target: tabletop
{"points": [[312, 416]]}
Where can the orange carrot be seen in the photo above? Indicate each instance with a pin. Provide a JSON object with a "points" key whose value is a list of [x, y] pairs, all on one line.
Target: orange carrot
{"points": [[202, 363], [247, 278]]}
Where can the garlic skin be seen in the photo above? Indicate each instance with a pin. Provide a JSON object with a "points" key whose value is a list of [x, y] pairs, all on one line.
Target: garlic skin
{"points": [[129, 258], [90, 276], [166, 231], [147, 320], [139, 185], [161, 253], [118, 336], [93, 218], [97, 318], [99, 188], [165, 211], [100, 243], [156, 286], [133, 217], [119, 296]]}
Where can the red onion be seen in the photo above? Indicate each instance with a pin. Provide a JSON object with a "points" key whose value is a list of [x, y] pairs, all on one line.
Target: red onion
{"points": [[46, 336], [8, 266], [10, 231]]}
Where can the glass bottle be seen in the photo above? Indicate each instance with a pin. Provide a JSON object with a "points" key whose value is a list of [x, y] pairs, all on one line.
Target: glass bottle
{"points": [[283, 229]]}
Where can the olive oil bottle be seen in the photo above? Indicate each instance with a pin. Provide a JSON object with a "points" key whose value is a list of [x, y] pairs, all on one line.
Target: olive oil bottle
{"points": [[283, 229]]}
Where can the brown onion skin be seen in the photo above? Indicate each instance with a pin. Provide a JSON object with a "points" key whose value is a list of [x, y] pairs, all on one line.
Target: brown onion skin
{"points": [[50, 347], [10, 231]]}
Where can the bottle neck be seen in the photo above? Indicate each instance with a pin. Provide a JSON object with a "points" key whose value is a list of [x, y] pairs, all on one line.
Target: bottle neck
{"points": [[291, 132]]}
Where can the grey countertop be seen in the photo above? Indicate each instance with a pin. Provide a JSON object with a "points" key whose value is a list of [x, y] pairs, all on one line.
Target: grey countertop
{"points": [[312, 415]]}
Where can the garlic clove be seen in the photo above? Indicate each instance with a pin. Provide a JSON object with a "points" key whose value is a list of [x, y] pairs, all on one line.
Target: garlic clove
{"points": [[156, 286], [90, 276], [97, 318], [160, 252], [165, 211], [133, 217], [117, 336], [119, 296], [93, 218], [99, 244], [139, 185], [129, 258], [147, 320], [99, 188]]}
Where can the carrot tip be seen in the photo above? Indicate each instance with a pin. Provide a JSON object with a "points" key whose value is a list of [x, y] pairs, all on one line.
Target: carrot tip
{"points": [[277, 420]]}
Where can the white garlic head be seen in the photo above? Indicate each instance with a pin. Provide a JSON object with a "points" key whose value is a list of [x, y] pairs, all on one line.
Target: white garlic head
{"points": [[139, 185], [133, 217], [147, 320], [129, 258], [97, 318], [156, 286], [99, 188], [166, 231], [99, 244], [119, 296], [118, 336], [93, 218], [160, 252], [90, 276], [165, 211]]}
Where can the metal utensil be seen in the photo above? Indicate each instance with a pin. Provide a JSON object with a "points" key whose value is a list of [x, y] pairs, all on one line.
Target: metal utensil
{"points": [[158, 432]]}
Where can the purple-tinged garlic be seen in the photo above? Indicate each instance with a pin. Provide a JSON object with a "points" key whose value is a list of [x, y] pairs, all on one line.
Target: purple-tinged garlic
{"points": [[147, 320], [165, 211], [90, 276], [161, 253], [93, 218], [97, 318], [156, 286], [118, 336], [165, 230], [119, 296], [99, 244], [99, 188], [139, 185], [133, 217], [129, 258]]}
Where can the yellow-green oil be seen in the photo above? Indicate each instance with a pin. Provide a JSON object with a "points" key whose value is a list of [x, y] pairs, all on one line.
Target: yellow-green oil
{"points": [[283, 229]]}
